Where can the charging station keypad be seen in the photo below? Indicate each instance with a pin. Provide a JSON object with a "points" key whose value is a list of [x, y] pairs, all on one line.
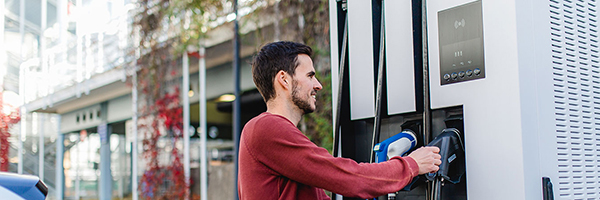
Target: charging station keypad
{"points": [[461, 43]]}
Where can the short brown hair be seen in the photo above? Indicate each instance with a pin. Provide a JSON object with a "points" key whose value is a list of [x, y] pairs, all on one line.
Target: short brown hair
{"points": [[272, 58]]}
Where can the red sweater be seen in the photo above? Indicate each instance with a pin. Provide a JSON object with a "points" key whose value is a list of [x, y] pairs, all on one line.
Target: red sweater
{"points": [[277, 161]]}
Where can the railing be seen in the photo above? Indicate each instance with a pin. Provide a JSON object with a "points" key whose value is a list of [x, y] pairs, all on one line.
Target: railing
{"points": [[31, 160]]}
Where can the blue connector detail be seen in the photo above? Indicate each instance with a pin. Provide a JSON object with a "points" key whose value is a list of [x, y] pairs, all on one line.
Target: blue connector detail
{"points": [[396, 145]]}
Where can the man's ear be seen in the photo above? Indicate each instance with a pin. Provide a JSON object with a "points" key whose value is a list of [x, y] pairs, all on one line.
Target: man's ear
{"points": [[282, 78]]}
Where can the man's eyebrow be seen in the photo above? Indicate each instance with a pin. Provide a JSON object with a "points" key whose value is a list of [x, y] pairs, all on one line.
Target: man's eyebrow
{"points": [[311, 73]]}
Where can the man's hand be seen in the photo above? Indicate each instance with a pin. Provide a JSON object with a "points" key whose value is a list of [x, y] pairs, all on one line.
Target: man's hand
{"points": [[428, 159]]}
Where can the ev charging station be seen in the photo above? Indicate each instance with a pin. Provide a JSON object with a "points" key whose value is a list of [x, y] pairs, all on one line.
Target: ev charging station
{"points": [[511, 87]]}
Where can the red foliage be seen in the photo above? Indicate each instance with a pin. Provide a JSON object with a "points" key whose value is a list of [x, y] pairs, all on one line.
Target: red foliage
{"points": [[160, 112], [169, 117], [6, 122]]}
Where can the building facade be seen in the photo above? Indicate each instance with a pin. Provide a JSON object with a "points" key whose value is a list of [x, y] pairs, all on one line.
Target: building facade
{"points": [[70, 63]]}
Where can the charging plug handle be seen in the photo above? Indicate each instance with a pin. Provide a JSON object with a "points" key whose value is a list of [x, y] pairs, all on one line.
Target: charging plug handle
{"points": [[453, 156]]}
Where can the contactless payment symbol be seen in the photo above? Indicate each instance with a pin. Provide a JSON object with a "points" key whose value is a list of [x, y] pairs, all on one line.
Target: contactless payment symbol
{"points": [[460, 23]]}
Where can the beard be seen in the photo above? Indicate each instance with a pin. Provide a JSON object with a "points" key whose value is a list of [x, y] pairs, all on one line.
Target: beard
{"points": [[303, 105]]}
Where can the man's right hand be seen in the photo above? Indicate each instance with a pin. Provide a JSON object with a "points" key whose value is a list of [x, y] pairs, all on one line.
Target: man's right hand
{"points": [[428, 159]]}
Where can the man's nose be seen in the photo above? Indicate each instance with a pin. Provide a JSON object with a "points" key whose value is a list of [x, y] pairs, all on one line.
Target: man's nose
{"points": [[318, 86]]}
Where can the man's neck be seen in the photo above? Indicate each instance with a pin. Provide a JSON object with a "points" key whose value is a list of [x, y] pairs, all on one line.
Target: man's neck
{"points": [[286, 110]]}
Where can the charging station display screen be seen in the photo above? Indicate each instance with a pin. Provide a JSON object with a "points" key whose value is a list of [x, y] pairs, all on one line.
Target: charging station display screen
{"points": [[461, 43]]}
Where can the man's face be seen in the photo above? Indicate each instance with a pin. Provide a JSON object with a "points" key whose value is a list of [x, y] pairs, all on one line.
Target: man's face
{"points": [[305, 85]]}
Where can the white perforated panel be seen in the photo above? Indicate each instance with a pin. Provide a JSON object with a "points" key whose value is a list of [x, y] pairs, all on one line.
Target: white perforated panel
{"points": [[576, 67], [360, 60], [399, 56]]}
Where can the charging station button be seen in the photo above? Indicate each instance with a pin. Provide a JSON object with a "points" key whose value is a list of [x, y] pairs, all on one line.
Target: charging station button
{"points": [[477, 71], [447, 77]]}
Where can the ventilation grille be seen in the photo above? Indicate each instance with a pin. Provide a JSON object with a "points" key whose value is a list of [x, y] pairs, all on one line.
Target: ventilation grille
{"points": [[576, 67]]}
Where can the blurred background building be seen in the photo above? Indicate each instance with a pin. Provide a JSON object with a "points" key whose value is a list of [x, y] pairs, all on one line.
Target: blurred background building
{"points": [[67, 64]]}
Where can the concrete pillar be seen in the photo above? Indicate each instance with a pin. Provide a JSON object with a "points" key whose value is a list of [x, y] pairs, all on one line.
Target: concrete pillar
{"points": [[60, 170], [41, 143], [22, 86], [104, 131], [186, 122], [203, 159], [134, 145]]}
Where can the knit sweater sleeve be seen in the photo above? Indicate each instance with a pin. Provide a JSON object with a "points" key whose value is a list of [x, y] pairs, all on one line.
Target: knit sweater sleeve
{"points": [[283, 149]]}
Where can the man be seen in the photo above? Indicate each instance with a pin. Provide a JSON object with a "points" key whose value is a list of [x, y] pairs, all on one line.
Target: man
{"points": [[277, 161]]}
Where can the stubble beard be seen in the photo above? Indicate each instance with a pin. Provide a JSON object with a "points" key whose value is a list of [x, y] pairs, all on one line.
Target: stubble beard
{"points": [[303, 105]]}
